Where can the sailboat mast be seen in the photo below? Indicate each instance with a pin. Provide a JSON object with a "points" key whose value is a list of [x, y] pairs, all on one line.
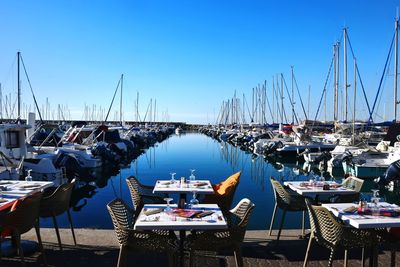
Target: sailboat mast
{"points": [[19, 85], [282, 97], [120, 101], [334, 84], [337, 80], [354, 98], [1, 102], [155, 109], [137, 107], [292, 96], [345, 71], [396, 66]]}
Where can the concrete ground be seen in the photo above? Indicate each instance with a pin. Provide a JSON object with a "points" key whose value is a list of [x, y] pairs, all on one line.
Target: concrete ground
{"points": [[100, 248]]}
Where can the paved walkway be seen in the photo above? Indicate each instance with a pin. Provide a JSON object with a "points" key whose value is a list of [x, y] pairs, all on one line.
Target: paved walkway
{"points": [[99, 248]]}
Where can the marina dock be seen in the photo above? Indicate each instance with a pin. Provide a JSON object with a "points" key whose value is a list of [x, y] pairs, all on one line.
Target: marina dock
{"points": [[100, 248]]}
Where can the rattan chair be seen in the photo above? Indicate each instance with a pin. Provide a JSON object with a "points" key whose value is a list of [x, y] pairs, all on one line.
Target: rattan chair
{"points": [[332, 234], [20, 220], [57, 203], [287, 201], [231, 238], [142, 241], [142, 194], [352, 183]]}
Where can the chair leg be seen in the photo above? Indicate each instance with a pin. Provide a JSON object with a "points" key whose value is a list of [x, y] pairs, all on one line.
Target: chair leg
{"points": [[121, 257], [303, 224], [308, 250], [392, 257], [171, 259], [37, 229], [71, 225], [57, 231], [280, 227], [363, 257], [238, 256], [346, 257], [1, 253], [272, 219], [330, 263], [192, 255]]}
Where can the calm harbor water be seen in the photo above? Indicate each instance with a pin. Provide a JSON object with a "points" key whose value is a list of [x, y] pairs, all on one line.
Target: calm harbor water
{"points": [[212, 160]]}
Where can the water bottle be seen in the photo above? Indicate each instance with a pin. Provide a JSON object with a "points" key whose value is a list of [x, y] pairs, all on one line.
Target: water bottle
{"points": [[28, 178], [192, 178]]}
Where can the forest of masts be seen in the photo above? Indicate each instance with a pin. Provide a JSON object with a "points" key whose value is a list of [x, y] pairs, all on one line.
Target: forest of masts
{"points": [[268, 104]]}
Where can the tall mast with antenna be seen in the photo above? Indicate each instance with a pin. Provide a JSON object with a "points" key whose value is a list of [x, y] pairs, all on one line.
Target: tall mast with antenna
{"points": [[345, 71], [120, 102], [19, 87], [396, 64]]}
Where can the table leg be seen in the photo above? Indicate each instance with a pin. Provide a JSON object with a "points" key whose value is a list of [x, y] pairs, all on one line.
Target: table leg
{"points": [[373, 256], [182, 235]]}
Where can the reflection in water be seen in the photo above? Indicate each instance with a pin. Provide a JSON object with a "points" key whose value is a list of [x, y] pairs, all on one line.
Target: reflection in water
{"points": [[212, 160], [80, 194]]}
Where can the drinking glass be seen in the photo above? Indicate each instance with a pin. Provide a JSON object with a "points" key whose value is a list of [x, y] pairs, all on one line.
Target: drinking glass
{"points": [[173, 177], [375, 202], [311, 178], [194, 200], [375, 196], [192, 177], [168, 209]]}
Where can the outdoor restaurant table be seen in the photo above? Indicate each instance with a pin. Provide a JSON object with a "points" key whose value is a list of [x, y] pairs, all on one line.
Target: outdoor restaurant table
{"points": [[200, 186], [12, 190], [314, 191], [164, 221], [362, 221]]}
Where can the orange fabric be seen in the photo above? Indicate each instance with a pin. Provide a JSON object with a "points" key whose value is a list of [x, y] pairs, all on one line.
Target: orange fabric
{"points": [[216, 187], [227, 186], [7, 232]]}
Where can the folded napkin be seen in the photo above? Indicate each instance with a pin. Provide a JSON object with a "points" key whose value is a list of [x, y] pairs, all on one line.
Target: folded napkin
{"points": [[153, 211], [29, 186], [350, 209], [382, 212], [204, 214], [200, 184]]}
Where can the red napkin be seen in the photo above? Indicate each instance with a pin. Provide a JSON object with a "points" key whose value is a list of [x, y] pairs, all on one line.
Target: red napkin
{"points": [[382, 212]]}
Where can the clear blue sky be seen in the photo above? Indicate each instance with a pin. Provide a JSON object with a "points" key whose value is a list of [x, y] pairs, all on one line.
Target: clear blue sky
{"points": [[189, 55]]}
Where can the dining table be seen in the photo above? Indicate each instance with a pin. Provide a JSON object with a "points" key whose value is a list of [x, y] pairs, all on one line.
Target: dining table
{"points": [[12, 190], [315, 190], [190, 186], [386, 215], [199, 217]]}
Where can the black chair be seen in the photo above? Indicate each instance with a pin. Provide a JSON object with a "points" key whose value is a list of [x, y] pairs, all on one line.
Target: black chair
{"points": [[56, 203], [20, 220]]}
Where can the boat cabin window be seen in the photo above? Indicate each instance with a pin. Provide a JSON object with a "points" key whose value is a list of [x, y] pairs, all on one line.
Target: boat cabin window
{"points": [[12, 139]]}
